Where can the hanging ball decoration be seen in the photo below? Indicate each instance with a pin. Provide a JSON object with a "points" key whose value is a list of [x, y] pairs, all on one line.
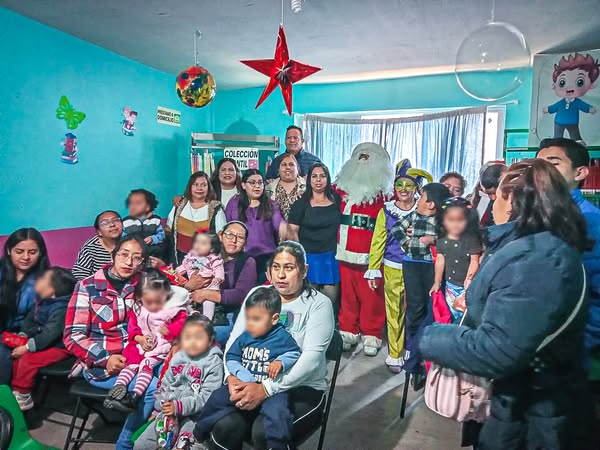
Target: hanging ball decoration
{"points": [[492, 61], [196, 87]]}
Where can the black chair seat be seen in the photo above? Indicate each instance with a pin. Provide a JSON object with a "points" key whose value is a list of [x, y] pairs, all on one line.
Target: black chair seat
{"points": [[82, 388], [59, 369]]}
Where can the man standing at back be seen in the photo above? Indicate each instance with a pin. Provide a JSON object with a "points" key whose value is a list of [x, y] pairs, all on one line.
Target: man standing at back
{"points": [[294, 143]]}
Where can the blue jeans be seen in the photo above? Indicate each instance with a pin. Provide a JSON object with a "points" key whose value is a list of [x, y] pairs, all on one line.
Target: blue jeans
{"points": [[222, 332], [135, 419], [6, 363]]}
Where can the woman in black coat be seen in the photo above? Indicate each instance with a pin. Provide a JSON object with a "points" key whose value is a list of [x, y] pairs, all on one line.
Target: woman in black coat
{"points": [[530, 281]]}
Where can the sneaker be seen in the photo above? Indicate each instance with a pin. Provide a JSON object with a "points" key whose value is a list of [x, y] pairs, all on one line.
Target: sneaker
{"points": [[394, 364], [114, 396], [25, 401], [349, 340], [371, 345]]}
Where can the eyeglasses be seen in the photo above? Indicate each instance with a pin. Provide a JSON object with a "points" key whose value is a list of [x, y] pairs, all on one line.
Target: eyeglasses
{"points": [[108, 222], [136, 258], [234, 237], [255, 182]]}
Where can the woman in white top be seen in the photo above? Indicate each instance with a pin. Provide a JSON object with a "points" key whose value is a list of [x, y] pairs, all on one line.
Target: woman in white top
{"points": [[226, 179], [199, 209], [308, 317]]}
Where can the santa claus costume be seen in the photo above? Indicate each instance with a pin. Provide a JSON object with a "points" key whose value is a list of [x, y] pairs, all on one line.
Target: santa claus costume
{"points": [[385, 249], [364, 184]]}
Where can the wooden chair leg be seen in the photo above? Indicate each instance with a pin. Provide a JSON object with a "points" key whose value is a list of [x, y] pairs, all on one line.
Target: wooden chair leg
{"points": [[404, 394]]}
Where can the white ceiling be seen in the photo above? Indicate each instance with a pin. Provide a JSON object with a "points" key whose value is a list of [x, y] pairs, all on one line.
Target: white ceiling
{"points": [[349, 39]]}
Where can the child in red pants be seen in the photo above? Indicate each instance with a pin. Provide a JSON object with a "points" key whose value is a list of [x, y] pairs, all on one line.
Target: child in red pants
{"points": [[44, 326]]}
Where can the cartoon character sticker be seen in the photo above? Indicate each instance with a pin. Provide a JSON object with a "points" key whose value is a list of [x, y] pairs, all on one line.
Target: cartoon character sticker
{"points": [[573, 77], [128, 123], [69, 153]]}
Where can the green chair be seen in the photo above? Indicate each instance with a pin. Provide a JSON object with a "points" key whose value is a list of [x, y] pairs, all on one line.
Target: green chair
{"points": [[13, 429]]}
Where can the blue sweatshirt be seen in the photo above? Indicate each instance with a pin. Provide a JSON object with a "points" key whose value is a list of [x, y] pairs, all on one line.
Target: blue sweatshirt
{"points": [[248, 358]]}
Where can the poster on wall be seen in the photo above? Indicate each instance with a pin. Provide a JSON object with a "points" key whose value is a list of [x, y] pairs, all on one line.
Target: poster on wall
{"points": [[246, 158], [566, 97], [168, 116], [128, 123]]}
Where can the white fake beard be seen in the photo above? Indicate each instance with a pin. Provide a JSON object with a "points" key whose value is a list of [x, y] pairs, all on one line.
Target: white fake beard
{"points": [[364, 180]]}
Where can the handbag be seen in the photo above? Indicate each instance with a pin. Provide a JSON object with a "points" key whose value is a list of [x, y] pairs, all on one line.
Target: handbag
{"points": [[441, 312], [462, 396]]}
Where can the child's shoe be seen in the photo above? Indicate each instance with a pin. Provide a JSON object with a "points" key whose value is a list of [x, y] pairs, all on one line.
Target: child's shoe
{"points": [[349, 340], [114, 396], [129, 403], [25, 401], [371, 345]]}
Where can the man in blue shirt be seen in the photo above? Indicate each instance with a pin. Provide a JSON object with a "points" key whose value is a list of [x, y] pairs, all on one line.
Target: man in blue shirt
{"points": [[572, 160], [294, 141]]}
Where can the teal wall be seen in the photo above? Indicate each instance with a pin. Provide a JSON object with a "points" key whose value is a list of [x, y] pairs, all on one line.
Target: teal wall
{"points": [[38, 65]]}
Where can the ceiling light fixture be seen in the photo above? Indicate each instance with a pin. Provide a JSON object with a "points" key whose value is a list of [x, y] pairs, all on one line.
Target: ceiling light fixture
{"points": [[296, 6]]}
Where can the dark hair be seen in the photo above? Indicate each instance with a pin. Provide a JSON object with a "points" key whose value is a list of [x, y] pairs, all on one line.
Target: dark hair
{"points": [[436, 193], [297, 251], [265, 210], [150, 279], [236, 222], [458, 176], [329, 192], [541, 201], [214, 178], [576, 152], [490, 178], [129, 238], [203, 321], [97, 219], [265, 297], [62, 281], [149, 196], [294, 127], [470, 214], [215, 242], [210, 195], [9, 286]]}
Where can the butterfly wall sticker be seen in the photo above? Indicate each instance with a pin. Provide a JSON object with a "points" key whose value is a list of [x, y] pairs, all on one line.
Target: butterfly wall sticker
{"points": [[66, 112]]}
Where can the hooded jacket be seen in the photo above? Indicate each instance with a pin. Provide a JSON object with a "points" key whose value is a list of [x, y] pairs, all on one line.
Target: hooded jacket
{"points": [[45, 323]]}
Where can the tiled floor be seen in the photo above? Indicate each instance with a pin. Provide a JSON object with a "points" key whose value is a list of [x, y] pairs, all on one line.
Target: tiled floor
{"points": [[364, 415]]}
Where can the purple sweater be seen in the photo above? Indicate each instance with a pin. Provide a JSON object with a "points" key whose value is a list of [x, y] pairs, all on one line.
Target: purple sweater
{"points": [[234, 294], [262, 234]]}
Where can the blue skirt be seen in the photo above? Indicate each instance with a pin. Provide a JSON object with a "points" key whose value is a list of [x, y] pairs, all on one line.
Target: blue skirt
{"points": [[323, 268]]}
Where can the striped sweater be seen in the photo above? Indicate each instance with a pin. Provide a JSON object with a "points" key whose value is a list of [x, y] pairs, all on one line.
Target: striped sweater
{"points": [[90, 259]]}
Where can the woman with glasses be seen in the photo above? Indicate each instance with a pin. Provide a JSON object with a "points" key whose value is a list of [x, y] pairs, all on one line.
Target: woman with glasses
{"points": [[261, 216], [198, 210], [96, 252], [288, 187], [96, 326]]}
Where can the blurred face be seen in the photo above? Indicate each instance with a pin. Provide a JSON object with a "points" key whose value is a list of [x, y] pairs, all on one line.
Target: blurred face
{"points": [[259, 321], [293, 141], [195, 340], [288, 171], [490, 192], [502, 208], [454, 186], [572, 84], [424, 206], [25, 255], [559, 159], [110, 226], [202, 245], [227, 175], [318, 180], [405, 189], [233, 239], [138, 206], [199, 189], [286, 276], [455, 221], [154, 299], [128, 259], [43, 285], [254, 187]]}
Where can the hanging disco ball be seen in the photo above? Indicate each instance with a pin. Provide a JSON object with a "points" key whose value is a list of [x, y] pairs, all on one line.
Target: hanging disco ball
{"points": [[195, 87], [492, 62]]}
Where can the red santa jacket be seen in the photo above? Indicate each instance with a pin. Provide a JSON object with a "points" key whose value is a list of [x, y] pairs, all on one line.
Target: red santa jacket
{"points": [[356, 230]]}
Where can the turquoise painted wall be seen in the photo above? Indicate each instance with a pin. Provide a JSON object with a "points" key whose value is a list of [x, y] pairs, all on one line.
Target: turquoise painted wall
{"points": [[38, 65]]}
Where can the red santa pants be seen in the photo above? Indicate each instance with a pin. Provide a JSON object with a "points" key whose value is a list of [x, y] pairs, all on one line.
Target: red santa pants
{"points": [[26, 368], [362, 309]]}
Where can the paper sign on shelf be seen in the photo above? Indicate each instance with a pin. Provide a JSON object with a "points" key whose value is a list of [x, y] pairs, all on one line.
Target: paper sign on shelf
{"points": [[168, 116], [246, 158]]}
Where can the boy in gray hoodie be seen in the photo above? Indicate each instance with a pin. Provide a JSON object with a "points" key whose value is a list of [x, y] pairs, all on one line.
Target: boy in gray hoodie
{"points": [[194, 373]]}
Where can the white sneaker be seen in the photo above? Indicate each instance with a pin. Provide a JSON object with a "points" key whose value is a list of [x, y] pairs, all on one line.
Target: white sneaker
{"points": [[371, 345], [25, 401], [348, 340]]}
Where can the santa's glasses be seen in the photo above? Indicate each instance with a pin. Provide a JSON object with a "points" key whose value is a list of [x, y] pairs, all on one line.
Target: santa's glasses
{"points": [[405, 185]]}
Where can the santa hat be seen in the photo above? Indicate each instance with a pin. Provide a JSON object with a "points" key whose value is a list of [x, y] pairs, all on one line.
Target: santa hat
{"points": [[419, 176]]}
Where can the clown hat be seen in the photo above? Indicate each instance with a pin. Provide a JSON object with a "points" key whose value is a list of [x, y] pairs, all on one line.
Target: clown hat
{"points": [[419, 176]]}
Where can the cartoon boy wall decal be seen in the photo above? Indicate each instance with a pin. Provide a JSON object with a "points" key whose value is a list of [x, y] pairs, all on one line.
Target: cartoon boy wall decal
{"points": [[128, 124], [573, 77]]}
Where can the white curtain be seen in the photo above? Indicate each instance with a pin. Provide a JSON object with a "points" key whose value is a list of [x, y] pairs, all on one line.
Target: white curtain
{"points": [[438, 143]]}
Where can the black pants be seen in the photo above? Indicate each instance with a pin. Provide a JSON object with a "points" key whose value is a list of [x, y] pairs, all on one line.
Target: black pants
{"points": [[418, 280], [306, 405]]}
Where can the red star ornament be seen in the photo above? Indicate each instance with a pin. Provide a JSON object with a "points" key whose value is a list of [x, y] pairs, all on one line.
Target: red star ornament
{"points": [[282, 71]]}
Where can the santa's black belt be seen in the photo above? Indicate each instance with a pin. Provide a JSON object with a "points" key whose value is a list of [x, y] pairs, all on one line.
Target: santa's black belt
{"points": [[361, 221]]}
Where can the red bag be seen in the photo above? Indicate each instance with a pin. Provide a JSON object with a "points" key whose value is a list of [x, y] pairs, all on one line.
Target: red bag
{"points": [[441, 312], [13, 340]]}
